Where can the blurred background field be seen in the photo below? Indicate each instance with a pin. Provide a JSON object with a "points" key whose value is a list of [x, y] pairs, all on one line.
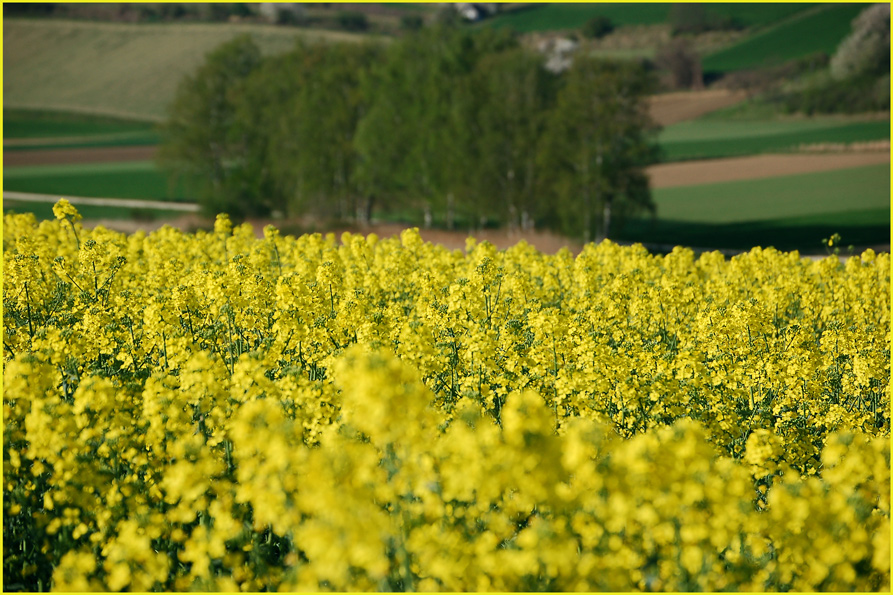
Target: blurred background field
{"points": [[91, 81]]}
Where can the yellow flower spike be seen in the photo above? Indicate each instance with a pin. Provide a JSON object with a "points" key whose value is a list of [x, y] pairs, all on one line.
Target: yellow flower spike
{"points": [[222, 224], [65, 210]]}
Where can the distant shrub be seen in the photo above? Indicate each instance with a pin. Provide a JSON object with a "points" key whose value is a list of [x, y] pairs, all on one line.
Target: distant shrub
{"points": [[43, 9], [695, 18], [597, 27], [411, 22], [849, 96], [289, 15], [352, 21]]}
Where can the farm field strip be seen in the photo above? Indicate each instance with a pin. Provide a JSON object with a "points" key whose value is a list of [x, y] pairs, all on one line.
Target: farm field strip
{"points": [[87, 168], [55, 161], [125, 219], [570, 16], [825, 192], [123, 139], [24, 125], [712, 128], [820, 29], [104, 180], [102, 202], [670, 108], [711, 139], [91, 66], [760, 167]]}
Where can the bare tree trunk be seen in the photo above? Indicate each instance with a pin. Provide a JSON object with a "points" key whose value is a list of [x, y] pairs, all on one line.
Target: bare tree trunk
{"points": [[697, 75], [364, 210], [450, 214], [598, 165], [370, 202], [429, 219], [587, 214], [587, 199], [607, 218]]}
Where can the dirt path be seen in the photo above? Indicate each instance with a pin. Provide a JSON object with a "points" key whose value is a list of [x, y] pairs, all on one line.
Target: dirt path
{"points": [[689, 173], [127, 203]]}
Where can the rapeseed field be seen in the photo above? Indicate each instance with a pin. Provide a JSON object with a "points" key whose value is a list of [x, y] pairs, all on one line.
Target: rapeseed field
{"points": [[213, 411]]}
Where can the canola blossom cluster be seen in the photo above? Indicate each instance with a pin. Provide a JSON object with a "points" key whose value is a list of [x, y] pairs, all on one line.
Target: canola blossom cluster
{"points": [[213, 411]]}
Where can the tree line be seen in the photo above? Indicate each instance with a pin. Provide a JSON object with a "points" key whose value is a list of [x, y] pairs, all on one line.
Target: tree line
{"points": [[452, 126]]}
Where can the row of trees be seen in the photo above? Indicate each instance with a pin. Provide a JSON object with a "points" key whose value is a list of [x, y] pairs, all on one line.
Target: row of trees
{"points": [[463, 127]]}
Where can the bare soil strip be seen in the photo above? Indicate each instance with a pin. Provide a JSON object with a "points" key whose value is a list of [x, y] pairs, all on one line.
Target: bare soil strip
{"points": [[83, 155], [72, 140], [691, 173], [670, 108]]}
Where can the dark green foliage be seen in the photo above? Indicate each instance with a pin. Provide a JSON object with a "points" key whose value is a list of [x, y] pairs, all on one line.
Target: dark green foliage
{"points": [[599, 139], [447, 123], [681, 62], [863, 93], [411, 22], [597, 27], [198, 135], [28, 9], [513, 94], [352, 21], [20, 123], [697, 18], [819, 29], [416, 145]]}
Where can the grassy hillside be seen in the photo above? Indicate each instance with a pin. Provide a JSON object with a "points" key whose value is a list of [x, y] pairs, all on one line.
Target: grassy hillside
{"points": [[709, 138], [118, 69], [819, 29]]}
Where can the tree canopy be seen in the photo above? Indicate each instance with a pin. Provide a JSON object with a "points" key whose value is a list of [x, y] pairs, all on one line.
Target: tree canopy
{"points": [[465, 128]]}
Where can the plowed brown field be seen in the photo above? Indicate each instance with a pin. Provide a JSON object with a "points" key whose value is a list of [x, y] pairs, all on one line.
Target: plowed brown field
{"points": [[690, 173], [670, 108], [84, 155]]}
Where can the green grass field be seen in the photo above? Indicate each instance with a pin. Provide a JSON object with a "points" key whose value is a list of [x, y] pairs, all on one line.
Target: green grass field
{"points": [[789, 213], [547, 17], [26, 130], [757, 14], [819, 29], [118, 69], [133, 179], [800, 233], [709, 138], [829, 192], [33, 124]]}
